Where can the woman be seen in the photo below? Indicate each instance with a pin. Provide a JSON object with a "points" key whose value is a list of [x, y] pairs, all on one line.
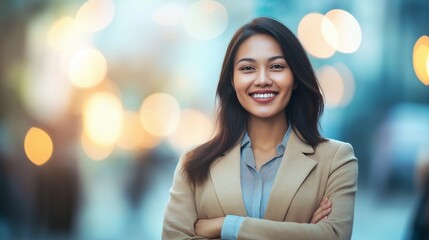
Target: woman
{"points": [[267, 173]]}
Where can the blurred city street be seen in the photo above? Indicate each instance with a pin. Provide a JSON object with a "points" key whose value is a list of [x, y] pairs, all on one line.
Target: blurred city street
{"points": [[99, 98]]}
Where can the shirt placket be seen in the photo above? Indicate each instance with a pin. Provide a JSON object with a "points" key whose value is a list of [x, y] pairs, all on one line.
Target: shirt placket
{"points": [[257, 195]]}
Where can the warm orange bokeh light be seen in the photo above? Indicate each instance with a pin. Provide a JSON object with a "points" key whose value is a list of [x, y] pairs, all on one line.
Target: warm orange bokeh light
{"points": [[311, 36], [38, 146], [194, 128], [95, 15], [421, 59], [159, 114]]}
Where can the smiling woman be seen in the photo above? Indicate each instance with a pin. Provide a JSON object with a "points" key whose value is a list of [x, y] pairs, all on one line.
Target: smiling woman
{"points": [[267, 173], [263, 80]]}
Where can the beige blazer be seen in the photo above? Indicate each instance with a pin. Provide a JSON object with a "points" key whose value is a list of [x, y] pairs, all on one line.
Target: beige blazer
{"points": [[305, 176]]}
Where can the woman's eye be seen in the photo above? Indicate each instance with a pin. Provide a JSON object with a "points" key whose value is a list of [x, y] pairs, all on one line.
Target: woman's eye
{"points": [[246, 68], [277, 66]]}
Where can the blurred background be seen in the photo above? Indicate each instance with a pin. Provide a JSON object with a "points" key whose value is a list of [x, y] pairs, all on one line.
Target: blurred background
{"points": [[99, 98]]}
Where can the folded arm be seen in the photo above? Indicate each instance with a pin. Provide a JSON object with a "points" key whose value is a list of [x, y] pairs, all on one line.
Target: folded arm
{"points": [[340, 190]]}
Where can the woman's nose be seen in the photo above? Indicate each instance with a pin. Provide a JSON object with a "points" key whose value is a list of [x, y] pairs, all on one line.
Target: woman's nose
{"points": [[263, 79]]}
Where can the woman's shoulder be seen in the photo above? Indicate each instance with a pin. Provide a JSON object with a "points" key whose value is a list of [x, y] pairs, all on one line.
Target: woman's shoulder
{"points": [[330, 142], [334, 146]]}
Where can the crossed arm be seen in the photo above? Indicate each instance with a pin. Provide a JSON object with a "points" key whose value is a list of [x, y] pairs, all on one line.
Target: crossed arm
{"points": [[211, 228], [181, 220]]}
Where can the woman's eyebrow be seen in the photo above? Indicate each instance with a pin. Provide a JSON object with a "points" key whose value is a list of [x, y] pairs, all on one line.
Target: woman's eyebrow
{"points": [[276, 57], [253, 60], [245, 59]]}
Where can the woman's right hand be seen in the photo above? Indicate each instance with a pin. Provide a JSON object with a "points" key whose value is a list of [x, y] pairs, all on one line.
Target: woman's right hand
{"points": [[322, 212]]}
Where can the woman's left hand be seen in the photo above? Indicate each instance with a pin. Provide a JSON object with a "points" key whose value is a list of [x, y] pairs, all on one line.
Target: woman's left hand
{"points": [[323, 211], [210, 228]]}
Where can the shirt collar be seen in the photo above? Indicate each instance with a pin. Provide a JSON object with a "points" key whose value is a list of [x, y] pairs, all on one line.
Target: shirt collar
{"points": [[246, 142]]}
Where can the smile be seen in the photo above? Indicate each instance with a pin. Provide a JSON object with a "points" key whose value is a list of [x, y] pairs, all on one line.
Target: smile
{"points": [[263, 95]]}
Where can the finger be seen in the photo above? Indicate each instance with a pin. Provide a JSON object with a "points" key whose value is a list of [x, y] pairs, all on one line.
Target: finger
{"points": [[326, 205], [324, 200], [322, 208], [320, 215]]}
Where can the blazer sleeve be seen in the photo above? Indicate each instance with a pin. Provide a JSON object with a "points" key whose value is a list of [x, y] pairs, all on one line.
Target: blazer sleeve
{"points": [[180, 215], [340, 190]]}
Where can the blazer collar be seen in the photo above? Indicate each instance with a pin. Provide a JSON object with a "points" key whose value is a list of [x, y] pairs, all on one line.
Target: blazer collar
{"points": [[294, 168], [225, 176]]}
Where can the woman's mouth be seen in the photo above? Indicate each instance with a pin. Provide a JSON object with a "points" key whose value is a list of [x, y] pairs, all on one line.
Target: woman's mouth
{"points": [[263, 96]]}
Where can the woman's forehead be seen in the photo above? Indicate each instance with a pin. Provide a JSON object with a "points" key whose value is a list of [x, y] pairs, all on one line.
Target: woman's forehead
{"points": [[259, 46]]}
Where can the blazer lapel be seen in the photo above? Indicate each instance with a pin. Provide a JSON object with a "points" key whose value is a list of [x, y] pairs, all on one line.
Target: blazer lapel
{"points": [[225, 176], [293, 170]]}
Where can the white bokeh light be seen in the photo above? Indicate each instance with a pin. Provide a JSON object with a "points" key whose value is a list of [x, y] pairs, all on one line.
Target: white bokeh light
{"points": [[169, 14], [348, 32], [205, 19], [87, 68], [194, 128], [63, 34], [160, 114], [95, 15], [102, 118]]}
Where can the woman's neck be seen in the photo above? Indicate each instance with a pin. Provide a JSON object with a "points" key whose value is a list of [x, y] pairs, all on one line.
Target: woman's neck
{"points": [[266, 134]]}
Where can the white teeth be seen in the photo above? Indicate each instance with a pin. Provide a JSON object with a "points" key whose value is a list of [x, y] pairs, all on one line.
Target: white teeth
{"points": [[263, 95]]}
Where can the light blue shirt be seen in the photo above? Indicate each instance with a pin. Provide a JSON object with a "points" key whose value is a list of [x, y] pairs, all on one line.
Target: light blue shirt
{"points": [[255, 185]]}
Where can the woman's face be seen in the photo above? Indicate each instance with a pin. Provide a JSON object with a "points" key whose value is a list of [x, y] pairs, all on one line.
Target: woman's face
{"points": [[262, 78]]}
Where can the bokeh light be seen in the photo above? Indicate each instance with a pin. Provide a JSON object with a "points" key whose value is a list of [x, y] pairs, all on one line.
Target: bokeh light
{"points": [[160, 114], [421, 59], [80, 96], [332, 85], [87, 68], [205, 19], [38, 146], [349, 83], [45, 84], [94, 150], [56, 56], [95, 15], [194, 128], [347, 36], [132, 131], [102, 118], [311, 36], [169, 14], [63, 34]]}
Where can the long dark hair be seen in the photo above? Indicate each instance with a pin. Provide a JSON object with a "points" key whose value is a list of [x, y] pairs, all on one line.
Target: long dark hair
{"points": [[303, 111]]}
